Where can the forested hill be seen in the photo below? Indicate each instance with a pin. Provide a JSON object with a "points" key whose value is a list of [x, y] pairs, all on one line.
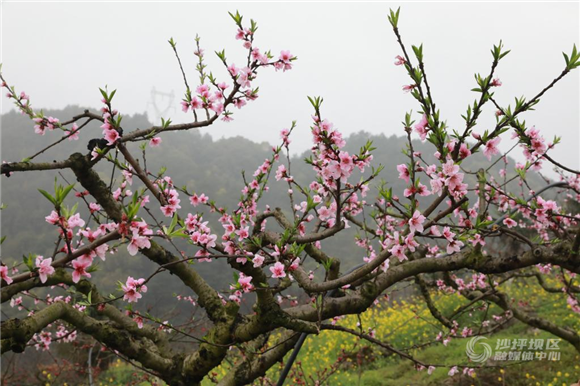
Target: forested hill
{"points": [[194, 159]]}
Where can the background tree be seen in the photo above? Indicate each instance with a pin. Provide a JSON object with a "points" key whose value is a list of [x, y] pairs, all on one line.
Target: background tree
{"points": [[440, 235]]}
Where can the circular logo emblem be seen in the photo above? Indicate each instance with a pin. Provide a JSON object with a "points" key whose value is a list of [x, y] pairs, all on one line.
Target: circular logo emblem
{"points": [[478, 356]]}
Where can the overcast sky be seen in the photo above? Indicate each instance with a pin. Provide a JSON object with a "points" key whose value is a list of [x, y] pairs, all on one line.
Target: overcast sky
{"points": [[60, 53]]}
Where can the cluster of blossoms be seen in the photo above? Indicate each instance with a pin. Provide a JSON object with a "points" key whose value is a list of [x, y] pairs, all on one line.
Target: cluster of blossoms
{"points": [[110, 129], [42, 340], [21, 99], [140, 237], [44, 123], [123, 191], [534, 146], [132, 289], [329, 162], [243, 285], [449, 177], [16, 302], [216, 101], [237, 226], [205, 99], [236, 231], [543, 215], [466, 371], [64, 335], [188, 299], [284, 61], [172, 198], [477, 281], [200, 234], [66, 229]]}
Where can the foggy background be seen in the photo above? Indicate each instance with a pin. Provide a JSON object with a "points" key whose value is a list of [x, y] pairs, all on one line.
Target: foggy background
{"points": [[61, 53]]}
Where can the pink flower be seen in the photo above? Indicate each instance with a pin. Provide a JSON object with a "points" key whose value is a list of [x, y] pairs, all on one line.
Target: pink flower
{"points": [[495, 83], [94, 153], [73, 134], [139, 320], [278, 270], [243, 233], [79, 271], [75, 221], [168, 210], [44, 268], [490, 148], [245, 282], [144, 201], [409, 87], [4, 274], [448, 234], [437, 185], [137, 242], [233, 70], [477, 240], [285, 56], [132, 289], [510, 223], [112, 136], [155, 141], [420, 127], [404, 172], [280, 172], [416, 222], [399, 252], [464, 151], [399, 60], [196, 200], [295, 264], [450, 168], [94, 207], [53, 218], [454, 246], [258, 260]]}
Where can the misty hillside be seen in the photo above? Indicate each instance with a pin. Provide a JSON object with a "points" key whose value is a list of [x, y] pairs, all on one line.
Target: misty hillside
{"points": [[193, 159]]}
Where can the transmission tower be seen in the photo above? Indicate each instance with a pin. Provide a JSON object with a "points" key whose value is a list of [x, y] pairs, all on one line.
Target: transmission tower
{"points": [[158, 99]]}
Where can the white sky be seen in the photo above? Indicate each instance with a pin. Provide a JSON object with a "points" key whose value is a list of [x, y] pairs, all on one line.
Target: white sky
{"points": [[60, 53]]}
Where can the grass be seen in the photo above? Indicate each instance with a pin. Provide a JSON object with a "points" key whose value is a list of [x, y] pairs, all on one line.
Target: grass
{"points": [[408, 323], [405, 324]]}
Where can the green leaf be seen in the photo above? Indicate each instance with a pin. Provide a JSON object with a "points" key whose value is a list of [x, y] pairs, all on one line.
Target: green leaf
{"points": [[65, 192], [104, 94], [173, 223], [48, 196]]}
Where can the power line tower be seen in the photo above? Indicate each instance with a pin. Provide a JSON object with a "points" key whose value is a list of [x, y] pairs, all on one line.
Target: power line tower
{"points": [[158, 99]]}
